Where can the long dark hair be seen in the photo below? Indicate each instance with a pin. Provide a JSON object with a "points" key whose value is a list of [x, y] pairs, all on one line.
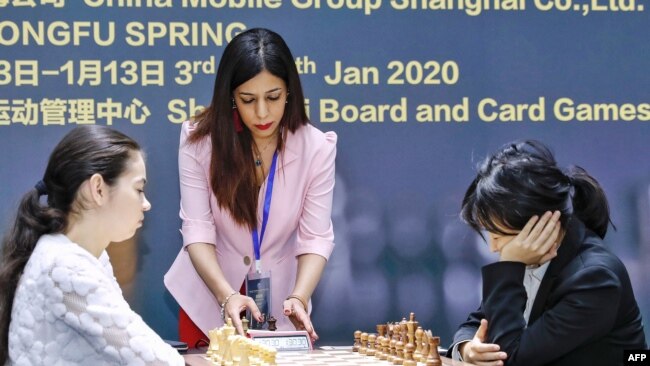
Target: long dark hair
{"points": [[232, 169], [83, 152], [522, 179]]}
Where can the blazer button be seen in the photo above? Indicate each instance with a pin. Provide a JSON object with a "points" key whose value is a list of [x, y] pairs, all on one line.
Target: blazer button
{"points": [[247, 260]]}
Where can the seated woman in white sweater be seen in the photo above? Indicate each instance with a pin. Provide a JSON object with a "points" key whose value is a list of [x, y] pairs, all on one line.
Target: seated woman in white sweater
{"points": [[61, 304]]}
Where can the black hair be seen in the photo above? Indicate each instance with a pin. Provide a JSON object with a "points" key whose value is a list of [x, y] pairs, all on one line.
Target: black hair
{"points": [[232, 169], [83, 152], [522, 179]]}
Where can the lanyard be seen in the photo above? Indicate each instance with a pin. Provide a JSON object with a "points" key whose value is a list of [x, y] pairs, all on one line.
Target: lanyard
{"points": [[257, 240]]}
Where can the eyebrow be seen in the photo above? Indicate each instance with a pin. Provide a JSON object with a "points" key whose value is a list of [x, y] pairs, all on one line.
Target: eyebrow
{"points": [[267, 92]]}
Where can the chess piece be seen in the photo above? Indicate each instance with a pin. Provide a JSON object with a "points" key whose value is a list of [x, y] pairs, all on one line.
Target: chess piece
{"points": [[408, 355], [364, 343], [434, 357], [244, 323], [419, 334], [271, 322], [357, 341], [399, 353], [370, 349], [410, 326], [381, 329], [385, 350], [425, 348]]}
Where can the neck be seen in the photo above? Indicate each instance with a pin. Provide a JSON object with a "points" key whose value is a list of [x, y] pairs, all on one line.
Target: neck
{"points": [[84, 232]]}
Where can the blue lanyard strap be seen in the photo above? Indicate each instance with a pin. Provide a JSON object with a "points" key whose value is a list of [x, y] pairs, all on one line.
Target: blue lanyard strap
{"points": [[257, 240]]}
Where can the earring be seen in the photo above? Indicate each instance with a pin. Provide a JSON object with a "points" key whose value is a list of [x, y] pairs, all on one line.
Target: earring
{"points": [[236, 118], [286, 101]]}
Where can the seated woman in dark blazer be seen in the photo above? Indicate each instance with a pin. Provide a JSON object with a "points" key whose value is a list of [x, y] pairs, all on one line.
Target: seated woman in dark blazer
{"points": [[558, 295]]}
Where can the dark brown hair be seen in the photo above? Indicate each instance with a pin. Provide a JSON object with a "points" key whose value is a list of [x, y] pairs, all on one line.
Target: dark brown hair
{"points": [[83, 152], [232, 169]]}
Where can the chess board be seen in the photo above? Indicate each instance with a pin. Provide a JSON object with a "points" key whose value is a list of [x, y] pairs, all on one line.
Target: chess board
{"points": [[328, 357]]}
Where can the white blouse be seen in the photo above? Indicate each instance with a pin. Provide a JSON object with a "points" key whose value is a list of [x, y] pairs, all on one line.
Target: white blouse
{"points": [[69, 310]]}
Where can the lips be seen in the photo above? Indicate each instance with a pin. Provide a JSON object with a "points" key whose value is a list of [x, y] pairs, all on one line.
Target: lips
{"points": [[264, 127]]}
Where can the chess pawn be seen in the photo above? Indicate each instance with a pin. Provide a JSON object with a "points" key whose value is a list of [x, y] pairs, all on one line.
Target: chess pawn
{"points": [[434, 357], [212, 336], [357, 341], [399, 353], [370, 349], [385, 351], [271, 321], [364, 343], [378, 349], [408, 355], [391, 350]]}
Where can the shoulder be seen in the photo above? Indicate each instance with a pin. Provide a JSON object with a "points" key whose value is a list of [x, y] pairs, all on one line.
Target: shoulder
{"points": [[596, 264], [199, 148], [309, 138]]}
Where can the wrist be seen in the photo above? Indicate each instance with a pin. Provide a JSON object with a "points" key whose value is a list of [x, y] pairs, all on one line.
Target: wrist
{"points": [[301, 299], [224, 303]]}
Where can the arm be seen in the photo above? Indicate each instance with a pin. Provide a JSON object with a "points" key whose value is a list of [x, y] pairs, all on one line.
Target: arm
{"points": [[315, 237], [199, 231], [578, 317], [90, 303]]}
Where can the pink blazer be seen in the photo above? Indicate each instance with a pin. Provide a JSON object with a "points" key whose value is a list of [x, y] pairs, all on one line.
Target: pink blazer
{"points": [[299, 223]]}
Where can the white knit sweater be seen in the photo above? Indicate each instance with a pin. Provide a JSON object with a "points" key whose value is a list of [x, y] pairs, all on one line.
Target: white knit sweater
{"points": [[69, 310]]}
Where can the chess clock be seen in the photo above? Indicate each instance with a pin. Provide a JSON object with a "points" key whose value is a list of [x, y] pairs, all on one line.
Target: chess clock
{"points": [[293, 340]]}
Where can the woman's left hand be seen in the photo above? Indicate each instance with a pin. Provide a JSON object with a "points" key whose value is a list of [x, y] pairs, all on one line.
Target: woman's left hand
{"points": [[294, 309], [537, 242]]}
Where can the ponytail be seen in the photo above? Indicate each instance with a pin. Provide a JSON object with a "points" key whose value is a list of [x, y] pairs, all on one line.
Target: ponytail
{"points": [[32, 221], [589, 201]]}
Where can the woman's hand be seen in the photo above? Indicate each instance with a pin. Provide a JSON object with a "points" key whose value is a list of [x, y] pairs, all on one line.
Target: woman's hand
{"points": [[536, 243], [238, 303], [295, 310], [480, 353]]}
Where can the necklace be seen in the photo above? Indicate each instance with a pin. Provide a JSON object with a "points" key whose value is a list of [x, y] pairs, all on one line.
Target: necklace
{"points": [[258, 153]]}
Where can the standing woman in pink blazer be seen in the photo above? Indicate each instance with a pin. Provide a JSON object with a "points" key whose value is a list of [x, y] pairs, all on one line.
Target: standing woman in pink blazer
{"points": [[256, 182]]}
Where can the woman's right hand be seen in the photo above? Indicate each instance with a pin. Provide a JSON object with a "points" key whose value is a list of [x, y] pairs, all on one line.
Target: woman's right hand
{"points": [[480, 353], [238, 303]]}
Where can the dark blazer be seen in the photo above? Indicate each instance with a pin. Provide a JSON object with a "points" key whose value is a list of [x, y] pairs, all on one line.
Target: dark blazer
{"points": [[584, 313]]}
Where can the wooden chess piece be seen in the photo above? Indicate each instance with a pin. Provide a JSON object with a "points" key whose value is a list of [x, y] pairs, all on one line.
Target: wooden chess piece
{"points": [[271, 322], [410, 326], [425, 348], [364, 343], [357, 341], [370, 349], [381, 329], [419, 334], [391, 350], [434, 357], [408, 355], [399, 353], [385, 350]]}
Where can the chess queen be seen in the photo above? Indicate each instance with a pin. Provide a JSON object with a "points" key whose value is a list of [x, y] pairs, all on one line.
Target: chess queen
{"points": [[256, 183]]}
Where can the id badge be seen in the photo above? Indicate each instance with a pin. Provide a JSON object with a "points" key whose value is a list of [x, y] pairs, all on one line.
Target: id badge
{"points": [[258, 287]]}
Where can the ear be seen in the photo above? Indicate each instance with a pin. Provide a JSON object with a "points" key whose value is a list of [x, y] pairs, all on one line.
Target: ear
{"points": [[97, 189]]}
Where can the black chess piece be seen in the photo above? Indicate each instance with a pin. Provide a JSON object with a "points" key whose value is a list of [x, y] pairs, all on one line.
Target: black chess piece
{"points": [[271, 322]]}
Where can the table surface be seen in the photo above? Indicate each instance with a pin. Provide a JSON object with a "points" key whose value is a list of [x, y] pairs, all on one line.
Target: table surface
{"points": [[331, 356]]}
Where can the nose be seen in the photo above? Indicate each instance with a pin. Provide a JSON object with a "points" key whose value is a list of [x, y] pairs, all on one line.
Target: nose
{"points": [[146, 205], [262, 109]]}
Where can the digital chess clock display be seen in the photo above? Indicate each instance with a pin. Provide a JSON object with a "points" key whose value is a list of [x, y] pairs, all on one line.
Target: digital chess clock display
{"points": [[283, 340]]}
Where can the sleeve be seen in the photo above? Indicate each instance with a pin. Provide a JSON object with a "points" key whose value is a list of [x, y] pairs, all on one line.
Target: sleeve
{"points": [[467, 330], [315, 232], [579, 316], [196, 213], [91, 304]]}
